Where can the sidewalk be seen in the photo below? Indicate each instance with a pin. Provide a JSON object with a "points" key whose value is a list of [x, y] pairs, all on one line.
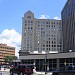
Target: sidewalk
{"points": [[41, 73], [6, 69]]}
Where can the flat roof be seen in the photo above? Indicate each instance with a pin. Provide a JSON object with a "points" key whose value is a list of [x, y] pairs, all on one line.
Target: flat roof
{"points": [[49, 56]]}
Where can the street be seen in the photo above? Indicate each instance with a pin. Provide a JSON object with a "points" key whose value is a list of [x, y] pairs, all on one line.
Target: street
{"points": [[7, 73]]}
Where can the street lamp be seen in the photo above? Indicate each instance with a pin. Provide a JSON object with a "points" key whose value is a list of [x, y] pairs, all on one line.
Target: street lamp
{"points": [[46, 64]]}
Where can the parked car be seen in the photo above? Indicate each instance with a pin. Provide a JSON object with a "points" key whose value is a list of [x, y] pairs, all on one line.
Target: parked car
{"points": [[62, 68], [22, 69], [66, 70], [70, 68]]}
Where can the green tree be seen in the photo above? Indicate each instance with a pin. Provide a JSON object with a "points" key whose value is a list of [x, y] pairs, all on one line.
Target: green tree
{"points": [[9, 59]]}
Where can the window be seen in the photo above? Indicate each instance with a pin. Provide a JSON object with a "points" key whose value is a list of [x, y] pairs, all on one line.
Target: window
{"points": [[46, 22], [43, 45], [31, 28], [25, 21], [28, 16], [54, 45], [25, 24], [49, 45], [46, 45], [31, 21], [28, 27], [54, 22], [49, 42]]}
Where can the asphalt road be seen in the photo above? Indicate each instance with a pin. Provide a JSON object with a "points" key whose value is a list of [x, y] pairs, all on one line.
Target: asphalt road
{"points": [[7, 73]]}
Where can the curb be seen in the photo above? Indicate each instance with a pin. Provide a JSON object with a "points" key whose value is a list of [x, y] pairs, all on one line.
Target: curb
{"points": [[42, 73]]}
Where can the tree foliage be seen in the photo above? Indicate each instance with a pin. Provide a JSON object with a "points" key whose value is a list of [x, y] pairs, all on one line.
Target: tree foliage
{"points": [[9, 59]]}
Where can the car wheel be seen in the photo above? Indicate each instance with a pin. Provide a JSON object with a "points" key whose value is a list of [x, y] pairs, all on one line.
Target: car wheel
{"points": [[11, 73]]}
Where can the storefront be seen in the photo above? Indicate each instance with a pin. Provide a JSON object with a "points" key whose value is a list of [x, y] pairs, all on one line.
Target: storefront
{"points": [[49, 61]]}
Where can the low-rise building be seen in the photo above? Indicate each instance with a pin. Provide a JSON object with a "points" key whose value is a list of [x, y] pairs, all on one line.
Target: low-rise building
{"points": [[50, 61], [6, 51]]}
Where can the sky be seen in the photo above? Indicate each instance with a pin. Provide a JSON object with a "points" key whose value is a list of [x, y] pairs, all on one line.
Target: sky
{"points": [[12, 11]]}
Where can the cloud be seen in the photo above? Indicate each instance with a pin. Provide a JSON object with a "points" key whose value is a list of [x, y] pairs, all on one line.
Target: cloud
{"points": [[56, 18], [11, 38], [47, 17], [44, 17]]}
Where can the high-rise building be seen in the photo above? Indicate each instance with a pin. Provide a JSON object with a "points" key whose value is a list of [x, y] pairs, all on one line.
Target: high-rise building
{"points": [[6, 51], [68, 26], [40, 35], [46, 35]]}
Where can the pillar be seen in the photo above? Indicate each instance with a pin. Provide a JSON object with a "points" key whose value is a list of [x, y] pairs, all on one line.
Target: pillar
{"points": [[58, 64]]}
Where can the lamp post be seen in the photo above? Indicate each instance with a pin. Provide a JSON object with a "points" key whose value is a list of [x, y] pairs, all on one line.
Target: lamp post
{"points": [[46, 64]]}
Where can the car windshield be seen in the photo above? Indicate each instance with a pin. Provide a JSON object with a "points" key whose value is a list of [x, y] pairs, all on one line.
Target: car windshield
{"points": [[26, 66]]}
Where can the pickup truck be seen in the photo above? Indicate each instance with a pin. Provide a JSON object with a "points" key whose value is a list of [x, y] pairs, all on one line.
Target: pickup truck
{"points": [[22, 69]]}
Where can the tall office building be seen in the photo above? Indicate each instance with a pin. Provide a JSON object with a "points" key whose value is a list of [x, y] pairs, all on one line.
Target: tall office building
{"points": [[68, 26], [40, 35]]}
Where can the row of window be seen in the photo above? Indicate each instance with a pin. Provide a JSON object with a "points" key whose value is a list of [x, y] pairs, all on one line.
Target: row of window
{"points": [[47, 22], [43, 45], [7, 48], [42, 22], [43, 26], [49, 49], [50, 45], [29, 21]]}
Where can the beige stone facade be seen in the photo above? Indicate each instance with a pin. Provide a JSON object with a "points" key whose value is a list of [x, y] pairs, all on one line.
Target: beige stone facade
{"points": [[40, 35]]}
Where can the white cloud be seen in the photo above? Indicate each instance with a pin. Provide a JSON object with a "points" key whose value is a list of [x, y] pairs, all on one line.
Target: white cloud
{"points": [[44, 17], [11, 38], [47, 17], [56, 18]]}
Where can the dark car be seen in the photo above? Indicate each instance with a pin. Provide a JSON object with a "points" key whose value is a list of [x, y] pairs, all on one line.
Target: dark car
{"points": [[22, 69], [70, 68], [62, 68], [66, 70]]}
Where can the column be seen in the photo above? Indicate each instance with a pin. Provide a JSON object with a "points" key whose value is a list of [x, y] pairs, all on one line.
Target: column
{"points": [[58, 64]]}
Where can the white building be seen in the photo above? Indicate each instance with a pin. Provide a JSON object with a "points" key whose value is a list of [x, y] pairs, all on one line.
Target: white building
{"points": [[40, 35]]}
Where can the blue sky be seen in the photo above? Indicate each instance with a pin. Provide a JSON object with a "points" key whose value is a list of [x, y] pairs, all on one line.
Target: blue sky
{"points": [[12, 11]]}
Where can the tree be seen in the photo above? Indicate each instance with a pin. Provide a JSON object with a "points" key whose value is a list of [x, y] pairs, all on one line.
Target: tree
{"points": [[9, 59]]}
